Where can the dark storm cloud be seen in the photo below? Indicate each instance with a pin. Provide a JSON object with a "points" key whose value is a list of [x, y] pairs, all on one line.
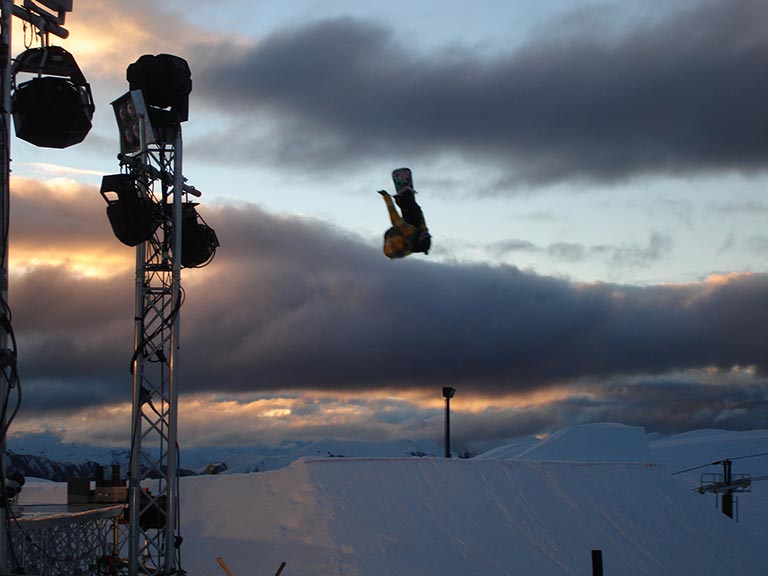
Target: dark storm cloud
{"points": [[664, 405], [73, 339], [683, 96], [292, 303], [44, 217], [74, 336], [668, 405]]}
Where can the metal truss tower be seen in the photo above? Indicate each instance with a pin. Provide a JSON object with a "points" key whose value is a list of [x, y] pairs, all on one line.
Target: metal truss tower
{"points": [[46, 17], [153, 539]]}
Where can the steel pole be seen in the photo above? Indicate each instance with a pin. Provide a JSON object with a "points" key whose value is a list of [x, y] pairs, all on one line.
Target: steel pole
{"points": [[173, 453], [728, 493], [447, 427], [5, 176]]}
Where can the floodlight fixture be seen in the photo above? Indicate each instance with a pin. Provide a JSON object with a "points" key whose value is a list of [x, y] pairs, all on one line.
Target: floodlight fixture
{"points": [[133, 216], [133, 122], [166, 82], [198, 240], [55, 108], [448, 392]]}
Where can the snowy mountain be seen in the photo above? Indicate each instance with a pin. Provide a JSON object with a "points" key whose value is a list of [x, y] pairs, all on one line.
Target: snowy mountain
{"points": [[31, 466], [45, 456], [49, 445]]}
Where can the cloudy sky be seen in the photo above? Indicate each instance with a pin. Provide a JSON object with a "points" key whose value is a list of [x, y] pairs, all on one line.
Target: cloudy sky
{"points": [[593, 174]]}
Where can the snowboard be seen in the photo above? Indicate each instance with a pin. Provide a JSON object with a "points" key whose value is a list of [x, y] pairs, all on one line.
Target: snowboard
{"points": [[403, 180]]}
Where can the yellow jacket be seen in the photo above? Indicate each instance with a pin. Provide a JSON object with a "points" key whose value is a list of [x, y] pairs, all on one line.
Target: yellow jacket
{"points": [[400, 239]]}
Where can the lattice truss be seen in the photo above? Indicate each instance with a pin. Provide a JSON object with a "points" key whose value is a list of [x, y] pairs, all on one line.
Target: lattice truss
{"points": [[68, 547], [153, 539]]}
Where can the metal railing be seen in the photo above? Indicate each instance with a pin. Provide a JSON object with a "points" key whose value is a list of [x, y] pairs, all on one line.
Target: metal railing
{"points": [[64, 543]]}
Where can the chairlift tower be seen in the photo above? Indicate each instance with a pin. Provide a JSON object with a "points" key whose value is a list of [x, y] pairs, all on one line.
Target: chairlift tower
{"points": [[726, 485]]}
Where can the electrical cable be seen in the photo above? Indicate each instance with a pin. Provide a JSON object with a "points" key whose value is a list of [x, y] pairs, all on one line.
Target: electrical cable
{"points": [[720, 462], [9, 373], [694, 468], [165, 325], [743, 457]]}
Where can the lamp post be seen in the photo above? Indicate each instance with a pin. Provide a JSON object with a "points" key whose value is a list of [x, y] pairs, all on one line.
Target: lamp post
{"points": [[448, 393]]}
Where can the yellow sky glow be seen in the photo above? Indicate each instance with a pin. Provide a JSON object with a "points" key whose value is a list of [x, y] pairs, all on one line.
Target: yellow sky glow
{"points": [[204, 418], [92, 264]]}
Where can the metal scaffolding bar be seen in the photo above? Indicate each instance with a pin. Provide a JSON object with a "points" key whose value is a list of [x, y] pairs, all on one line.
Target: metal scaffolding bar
{"points": [[5, 313], [153, 528]]}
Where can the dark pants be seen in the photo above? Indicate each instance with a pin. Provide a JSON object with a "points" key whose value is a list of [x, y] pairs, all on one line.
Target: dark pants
{"points": [[411, 211]]}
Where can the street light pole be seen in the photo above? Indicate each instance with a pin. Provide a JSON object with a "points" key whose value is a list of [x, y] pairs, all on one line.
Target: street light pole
{"points": [[448, 393]]}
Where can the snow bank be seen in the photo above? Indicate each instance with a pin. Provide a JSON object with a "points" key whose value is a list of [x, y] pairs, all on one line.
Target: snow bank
{"points": [[424, 516], [333, 449], [701, 446], [602, 442]]}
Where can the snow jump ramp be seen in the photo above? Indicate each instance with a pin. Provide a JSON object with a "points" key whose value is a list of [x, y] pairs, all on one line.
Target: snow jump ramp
{"points": [[430, 516]]}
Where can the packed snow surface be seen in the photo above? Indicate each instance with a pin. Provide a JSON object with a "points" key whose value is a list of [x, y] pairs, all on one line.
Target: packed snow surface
{"points": [[458, 517], [604, 442], [534, 507]]}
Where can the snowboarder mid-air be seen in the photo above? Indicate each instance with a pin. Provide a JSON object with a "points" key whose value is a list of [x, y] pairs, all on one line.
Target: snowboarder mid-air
{"points": [[409, 232]]}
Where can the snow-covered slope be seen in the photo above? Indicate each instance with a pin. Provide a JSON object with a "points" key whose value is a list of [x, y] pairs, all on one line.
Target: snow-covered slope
{"points": [[602, 442], [424, 516], [528, 508], [331, 449]]}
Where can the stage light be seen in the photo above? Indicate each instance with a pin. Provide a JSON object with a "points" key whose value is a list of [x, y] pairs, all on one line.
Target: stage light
{"points": [[160, 126], [54, 109], [198, 240], [133, 217], [165, 81], [130, 109]]}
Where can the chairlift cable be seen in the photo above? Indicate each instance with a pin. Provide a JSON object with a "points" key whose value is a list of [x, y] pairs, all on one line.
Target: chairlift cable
{"points": [[720, 462]]}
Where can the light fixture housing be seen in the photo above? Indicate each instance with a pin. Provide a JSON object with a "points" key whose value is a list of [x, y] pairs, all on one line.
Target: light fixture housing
{"points": [[133, 217], [54, 109], [165, 80], [198, 240], [160, 126], [129, 110]]}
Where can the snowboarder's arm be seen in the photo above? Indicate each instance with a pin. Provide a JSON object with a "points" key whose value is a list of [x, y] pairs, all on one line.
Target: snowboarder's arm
{"points": [[394, 215]]}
